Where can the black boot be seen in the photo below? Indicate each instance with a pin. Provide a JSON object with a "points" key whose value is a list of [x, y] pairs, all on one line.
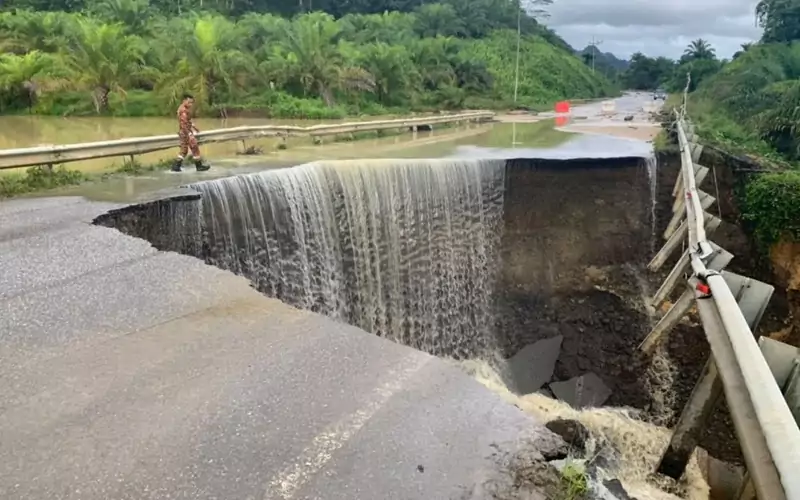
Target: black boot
{"points": [[176, 167], [201, 167]]}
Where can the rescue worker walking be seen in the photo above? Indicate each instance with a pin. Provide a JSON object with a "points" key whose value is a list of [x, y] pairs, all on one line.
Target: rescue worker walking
{"points": [[188, 141]]}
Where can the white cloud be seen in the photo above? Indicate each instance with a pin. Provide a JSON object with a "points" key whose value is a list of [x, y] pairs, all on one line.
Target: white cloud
{"points": [[656, 29]]}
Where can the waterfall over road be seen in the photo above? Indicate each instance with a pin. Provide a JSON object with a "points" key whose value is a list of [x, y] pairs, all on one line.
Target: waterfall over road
{"points": [[460, 258], [404, 249]]}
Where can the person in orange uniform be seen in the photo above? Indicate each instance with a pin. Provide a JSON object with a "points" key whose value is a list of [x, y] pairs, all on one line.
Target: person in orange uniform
{"points": [[188, 141]]}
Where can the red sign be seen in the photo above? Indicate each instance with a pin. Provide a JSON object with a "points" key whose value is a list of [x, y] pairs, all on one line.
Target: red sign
{"points": [[562, 107]]}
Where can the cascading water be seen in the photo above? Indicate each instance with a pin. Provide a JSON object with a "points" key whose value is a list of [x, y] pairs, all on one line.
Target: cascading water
{"points": [[449, 256], [652, 173], [402, 249]]}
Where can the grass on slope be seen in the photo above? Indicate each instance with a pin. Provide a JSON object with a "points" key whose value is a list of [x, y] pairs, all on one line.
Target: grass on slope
{"points": [[546, 73]]}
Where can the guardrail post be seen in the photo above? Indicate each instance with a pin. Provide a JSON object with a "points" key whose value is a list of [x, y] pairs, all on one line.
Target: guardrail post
{"points": [[697, 151], [678, 310], [695, 415], [700, 174], [675, 240], [706, 200], [678, 184], [716, 262], [746, 491]]}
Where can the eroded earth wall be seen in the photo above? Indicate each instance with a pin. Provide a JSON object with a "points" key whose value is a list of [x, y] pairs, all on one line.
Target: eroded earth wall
{"points": [[577, 235]]}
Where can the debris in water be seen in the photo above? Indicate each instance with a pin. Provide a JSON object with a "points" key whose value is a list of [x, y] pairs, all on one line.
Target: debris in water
{"points": [[582, 392], [573, 432], [636, 446], [532, 367]]}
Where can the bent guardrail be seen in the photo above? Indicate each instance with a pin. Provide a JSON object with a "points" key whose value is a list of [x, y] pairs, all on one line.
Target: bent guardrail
{"points": [[764, 425], [56, 154]]}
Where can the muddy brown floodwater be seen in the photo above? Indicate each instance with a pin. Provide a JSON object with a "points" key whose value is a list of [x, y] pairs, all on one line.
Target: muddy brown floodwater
{"points": [[30, 131]]}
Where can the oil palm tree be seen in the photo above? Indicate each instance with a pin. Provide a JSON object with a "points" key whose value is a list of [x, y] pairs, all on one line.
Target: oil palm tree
{"points": [[207, 63], [312, 57], [26, 30], [102, 58], [26, 75], [699, 49], [745, 48], [392, 68], [133, 14], [433, 57]]}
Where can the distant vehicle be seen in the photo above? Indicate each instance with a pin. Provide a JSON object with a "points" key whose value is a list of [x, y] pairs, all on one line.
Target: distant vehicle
{"points": [[659, 94]]}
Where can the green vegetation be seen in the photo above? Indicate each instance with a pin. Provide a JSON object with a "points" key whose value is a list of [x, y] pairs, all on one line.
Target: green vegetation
{"points": [[279, 58], [773, 206], [38, 179], [574, 482], [750, 106], [646, 73], [43, 178]]}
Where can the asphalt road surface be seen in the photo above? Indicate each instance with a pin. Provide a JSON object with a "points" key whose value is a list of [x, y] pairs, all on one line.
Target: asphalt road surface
{"points": [[129, 373]]}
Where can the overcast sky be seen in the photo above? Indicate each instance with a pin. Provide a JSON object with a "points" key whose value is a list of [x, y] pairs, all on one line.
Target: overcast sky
{"points": [[656, 28]]}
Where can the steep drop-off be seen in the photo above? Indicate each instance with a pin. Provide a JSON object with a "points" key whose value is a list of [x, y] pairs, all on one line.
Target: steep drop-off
{"points": [[459, 258]]}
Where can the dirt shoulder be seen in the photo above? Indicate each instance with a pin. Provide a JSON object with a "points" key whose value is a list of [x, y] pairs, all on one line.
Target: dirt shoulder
{"points": [[641, 132]]}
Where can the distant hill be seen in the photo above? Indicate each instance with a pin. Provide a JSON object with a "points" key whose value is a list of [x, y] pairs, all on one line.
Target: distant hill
{"points": [[605, 62]]}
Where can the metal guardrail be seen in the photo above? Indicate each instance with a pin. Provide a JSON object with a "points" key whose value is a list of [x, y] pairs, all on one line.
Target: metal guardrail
{"points": [[766, 429], [56, 154]]}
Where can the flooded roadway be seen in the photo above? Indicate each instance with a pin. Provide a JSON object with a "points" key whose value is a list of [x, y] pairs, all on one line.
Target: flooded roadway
{"points": [[590, 132]]}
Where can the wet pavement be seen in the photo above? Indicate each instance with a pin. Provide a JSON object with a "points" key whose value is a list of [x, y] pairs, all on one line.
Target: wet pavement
{"points": [[126, 372]]}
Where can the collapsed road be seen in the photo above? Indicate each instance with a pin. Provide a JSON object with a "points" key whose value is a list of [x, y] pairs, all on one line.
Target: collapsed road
{"points": [[137, 364]]}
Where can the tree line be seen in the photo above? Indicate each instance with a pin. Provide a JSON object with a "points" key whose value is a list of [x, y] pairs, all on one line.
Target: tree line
{"points": [[648, 73], [137, 57], [751, 105]]}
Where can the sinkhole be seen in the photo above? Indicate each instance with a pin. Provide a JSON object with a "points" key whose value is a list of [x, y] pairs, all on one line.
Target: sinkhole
{"points": [[535, 266]]}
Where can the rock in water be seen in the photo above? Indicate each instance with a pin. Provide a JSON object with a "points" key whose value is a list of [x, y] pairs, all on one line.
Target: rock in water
{"points": [[582, 392], [573, 432], [532, 367]]}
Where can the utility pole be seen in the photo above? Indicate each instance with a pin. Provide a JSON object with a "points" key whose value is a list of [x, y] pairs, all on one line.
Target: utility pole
{"points": [[593, 44], [519, 41], [528, 7]]}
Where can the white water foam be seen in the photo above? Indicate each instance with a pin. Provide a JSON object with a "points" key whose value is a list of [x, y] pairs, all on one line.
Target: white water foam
{"points": [[639, 444]]}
